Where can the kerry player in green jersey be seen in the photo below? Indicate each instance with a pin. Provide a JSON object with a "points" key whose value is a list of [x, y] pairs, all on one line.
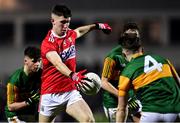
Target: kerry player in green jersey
{"points": [[113, 64], [22, 89], [154, 80]]}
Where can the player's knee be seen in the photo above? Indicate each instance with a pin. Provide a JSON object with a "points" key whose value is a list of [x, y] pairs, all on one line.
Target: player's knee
{"points": [[89, 119]]}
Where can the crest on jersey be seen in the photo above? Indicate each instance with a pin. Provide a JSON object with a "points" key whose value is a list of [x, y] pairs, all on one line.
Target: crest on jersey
{"points": [[70, 39]]}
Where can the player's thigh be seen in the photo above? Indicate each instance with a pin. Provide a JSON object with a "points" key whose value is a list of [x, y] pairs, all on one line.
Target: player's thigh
{"points": [[149, 117], [80, 111], [157, 117], [50, 105], [136, 117], [43, 118], [170, 117]]}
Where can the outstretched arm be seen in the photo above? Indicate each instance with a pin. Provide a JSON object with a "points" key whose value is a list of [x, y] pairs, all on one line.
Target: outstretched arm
{"points": [[100, 26], [84, 29]]}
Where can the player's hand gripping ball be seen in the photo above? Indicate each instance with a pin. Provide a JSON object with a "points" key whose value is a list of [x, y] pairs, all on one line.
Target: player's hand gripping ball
{"points": [[91, 84]]}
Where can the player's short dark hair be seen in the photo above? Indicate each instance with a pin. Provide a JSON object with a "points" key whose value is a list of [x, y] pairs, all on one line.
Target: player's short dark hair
{"points": [[130, 25], [61, 10], [130, 41], [32, 52]]}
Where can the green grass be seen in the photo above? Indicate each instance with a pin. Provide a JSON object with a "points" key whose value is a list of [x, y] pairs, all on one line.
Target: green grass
{"points": [[100, 117]]}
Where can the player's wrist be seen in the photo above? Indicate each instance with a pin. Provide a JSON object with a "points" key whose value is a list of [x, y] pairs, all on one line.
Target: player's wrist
{"points": [[71, 74], [28, 101], [96, 26]]}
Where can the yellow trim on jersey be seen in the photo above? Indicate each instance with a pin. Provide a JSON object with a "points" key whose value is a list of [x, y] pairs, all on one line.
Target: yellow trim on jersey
{"points": [[147, 78], [108, 69], [175, 74], [11, 93], [124, 85], [137, 54]]}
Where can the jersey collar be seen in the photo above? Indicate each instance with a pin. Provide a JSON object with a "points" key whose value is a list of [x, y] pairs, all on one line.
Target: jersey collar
{"points": [[137, 55], [55, 35]]}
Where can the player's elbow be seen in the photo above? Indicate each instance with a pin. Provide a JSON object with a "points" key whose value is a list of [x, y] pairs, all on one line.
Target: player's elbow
{"points": [[104, 82], [10, 107]]}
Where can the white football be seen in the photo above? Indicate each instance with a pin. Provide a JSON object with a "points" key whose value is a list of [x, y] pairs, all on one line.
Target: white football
{"points": [[91, 84]]}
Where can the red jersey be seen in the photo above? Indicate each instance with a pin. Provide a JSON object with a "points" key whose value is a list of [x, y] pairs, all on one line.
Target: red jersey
{"points": [[52, 80]]}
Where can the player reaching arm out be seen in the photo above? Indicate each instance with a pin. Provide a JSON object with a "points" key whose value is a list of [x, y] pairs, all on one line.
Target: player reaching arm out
{"points": [[59, 77], [53, 56], [100, 26]]}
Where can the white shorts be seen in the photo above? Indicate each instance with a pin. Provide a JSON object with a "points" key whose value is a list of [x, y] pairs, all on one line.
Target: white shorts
{"points": [[157, 117], [52, 104], [110, 113]]}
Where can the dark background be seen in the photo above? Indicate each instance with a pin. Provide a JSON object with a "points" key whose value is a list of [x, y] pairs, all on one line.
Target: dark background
{"points": [[26, 22]]}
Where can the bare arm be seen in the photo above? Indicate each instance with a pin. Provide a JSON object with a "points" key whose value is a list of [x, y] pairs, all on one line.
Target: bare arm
{"points": [[107, 73], [122, 111], [54, 58], [17, 106], [106, 85], [13, 91], [84, 29]]}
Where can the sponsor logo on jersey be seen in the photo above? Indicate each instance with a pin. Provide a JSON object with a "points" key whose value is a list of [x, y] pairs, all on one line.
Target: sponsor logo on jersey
{"points": [[68, 53]]}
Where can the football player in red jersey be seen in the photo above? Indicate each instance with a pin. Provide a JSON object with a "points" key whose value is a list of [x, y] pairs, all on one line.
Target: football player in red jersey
{"points": [[59, 77]]}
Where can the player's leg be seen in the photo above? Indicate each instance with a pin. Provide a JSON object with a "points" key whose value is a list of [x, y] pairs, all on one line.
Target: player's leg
{"points": [[106, 113], [150, 117], [15, 119], [79, 109], [48, 106], [136, 117], [170, 117], [157, 117], [43, 118]]}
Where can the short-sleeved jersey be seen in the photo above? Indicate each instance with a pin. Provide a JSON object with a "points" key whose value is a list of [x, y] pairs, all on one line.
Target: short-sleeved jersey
{"points": [[113, 64], [19, 88], [52, 80], [152, 78]]}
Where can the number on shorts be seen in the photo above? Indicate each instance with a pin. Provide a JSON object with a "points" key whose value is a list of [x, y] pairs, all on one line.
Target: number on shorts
{"points": [[151, 64]]}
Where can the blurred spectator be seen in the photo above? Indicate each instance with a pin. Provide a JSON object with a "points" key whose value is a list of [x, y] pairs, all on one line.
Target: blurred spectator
{"points": [[9, 4]]}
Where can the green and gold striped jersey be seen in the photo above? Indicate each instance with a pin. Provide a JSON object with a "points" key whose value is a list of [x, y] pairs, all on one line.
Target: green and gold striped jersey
{"points": [[153, 79], [19, 88], [113, 64]]}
